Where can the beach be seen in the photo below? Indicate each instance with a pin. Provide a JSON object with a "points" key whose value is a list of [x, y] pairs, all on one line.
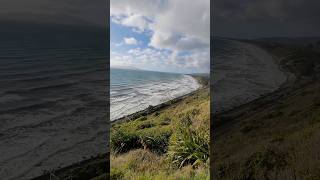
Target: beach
{"points": [[242, 72]]}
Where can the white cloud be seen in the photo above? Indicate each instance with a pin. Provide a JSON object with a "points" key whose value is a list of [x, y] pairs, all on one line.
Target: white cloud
{"points": [[184, 20], [175, 25], [140, 58], [130, 41], [198, 60], [139, 22], [117, 59]]}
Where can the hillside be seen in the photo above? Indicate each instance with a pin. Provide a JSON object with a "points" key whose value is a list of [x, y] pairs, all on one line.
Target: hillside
{"points": [[169, 142], [276, 136]]}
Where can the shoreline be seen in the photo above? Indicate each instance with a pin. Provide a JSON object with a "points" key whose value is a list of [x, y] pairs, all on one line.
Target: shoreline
{"points": [[101, 161], [201, 79], [289, 79], [223, 117]]}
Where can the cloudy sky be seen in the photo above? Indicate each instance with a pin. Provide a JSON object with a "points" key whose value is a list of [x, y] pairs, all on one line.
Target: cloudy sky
{"points": [[160, 35], [266, 18]]}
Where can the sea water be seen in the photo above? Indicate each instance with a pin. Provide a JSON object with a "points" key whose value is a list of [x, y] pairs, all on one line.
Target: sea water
{"points": [[53, 103], [135, 90]]}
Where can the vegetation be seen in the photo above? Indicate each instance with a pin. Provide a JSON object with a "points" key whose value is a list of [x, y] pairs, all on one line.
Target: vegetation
{"points": [[276, 136], [188, 146], [170, 143], [146, 146]]}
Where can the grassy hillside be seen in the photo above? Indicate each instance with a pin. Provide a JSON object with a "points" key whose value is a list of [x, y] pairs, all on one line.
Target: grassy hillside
{"points": [[278, 135], [169, 143]]}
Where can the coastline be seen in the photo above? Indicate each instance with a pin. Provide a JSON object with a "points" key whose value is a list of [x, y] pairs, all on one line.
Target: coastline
{"points": [[97, 161], [274, 128], [202, 81], [258, 73], [266, 98], [88, 167], [150, 140]]}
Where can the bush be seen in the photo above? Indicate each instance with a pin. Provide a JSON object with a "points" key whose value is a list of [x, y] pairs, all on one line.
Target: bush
{"points": [[189, 146], [123, 141], [157, 143]]}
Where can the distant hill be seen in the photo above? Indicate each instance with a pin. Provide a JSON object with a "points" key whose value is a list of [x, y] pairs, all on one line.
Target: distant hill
{"points": [[124, 67]]}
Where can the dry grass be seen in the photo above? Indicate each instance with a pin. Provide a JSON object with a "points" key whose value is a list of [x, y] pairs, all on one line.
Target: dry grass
{"points": [[275, 140], [140, 147]]}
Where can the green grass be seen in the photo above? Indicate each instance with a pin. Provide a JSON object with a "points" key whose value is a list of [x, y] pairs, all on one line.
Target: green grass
{"points": [[143, 164], [171, 143]]}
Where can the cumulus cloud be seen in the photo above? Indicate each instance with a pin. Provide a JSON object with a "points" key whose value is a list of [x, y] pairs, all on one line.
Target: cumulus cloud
{"points": [[117, 59], [139, 57], [174, 25], [197, 60], [137, 21], [130, 41]]}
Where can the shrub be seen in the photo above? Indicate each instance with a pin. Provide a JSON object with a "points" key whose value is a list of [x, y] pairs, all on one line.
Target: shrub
{"points": [[189, 146], [157, 143], [123, 141]]}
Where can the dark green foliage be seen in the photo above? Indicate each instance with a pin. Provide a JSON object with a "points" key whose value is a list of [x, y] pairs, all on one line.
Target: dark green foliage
{"points": [[157, 143], [188, 146], [124, 141]]}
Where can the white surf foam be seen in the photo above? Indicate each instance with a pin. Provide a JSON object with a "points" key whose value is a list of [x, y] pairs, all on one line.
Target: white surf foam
{"points": [[140, 97]]}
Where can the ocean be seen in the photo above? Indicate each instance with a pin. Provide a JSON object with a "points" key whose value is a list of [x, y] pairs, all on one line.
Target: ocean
{"points": [[134, 90], [53, 97]]}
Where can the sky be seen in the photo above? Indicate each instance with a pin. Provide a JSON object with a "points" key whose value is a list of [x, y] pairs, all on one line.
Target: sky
{"points": [[160, 35], [266, 18]]}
